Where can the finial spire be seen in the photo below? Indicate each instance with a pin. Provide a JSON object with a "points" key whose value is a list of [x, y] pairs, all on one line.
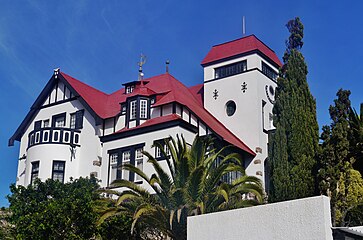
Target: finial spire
{"points": [[167, 66], [141, 63], [56, 72], [243, 26]]}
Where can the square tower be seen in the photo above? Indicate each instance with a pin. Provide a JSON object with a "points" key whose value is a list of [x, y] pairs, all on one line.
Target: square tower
{"points": [[239, 87]]}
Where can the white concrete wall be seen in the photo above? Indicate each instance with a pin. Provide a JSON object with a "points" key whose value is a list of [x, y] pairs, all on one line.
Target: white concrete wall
{"points": [[303, 219]]}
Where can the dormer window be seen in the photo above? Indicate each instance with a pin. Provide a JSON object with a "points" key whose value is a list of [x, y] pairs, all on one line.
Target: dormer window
{"points": [[143, 108], [231, 69], [133, 109], [130, 89]]}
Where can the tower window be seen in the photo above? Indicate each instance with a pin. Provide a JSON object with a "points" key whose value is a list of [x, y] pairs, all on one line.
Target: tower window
{"points": [[268, 71], [58, 171], [230, 108], [231, 69], [35, 171]]}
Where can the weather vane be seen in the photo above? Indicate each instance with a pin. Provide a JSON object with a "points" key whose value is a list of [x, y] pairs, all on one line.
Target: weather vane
{"points": [[140, 64]]}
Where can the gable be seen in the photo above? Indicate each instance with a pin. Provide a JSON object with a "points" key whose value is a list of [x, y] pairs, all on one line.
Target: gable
{"points": [[56, 91]]}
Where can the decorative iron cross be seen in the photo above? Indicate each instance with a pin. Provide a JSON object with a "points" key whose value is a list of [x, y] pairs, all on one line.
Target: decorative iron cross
{"points": [[244, 87], [215, 94]]}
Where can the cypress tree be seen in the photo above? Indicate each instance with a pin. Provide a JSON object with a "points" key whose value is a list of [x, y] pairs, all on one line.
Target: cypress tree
{"points": [[294, 144], [336, 159]]}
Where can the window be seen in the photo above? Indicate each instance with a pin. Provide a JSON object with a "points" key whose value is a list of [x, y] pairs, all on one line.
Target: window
{"points": [[230, 108], [158, 153], [46, 123], [130, 89], [59, 120], [37, 125], [143, 108], [77, 120], [126, 157], [138, 162], [268, 71], [35, 171], [58, 171], [114, 158], [133, 109], [73, 121], [229, 70]]}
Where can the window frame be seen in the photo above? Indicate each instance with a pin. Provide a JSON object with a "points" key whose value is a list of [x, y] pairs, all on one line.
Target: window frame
{"points": [[72, 121], [269, 71], [58, 171], [57, 116], [143, 112], [119, 172], [133, 109], [230, 69], [158, 153], [34, 171]]}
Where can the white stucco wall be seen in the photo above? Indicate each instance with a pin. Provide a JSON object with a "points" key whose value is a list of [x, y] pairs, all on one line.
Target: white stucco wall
{"points": [[81, 165], [148, 140], [302, 219], [250, 122]]}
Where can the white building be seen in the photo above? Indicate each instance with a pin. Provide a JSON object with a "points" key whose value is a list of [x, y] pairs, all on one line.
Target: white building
{"points": [[75, 130]]}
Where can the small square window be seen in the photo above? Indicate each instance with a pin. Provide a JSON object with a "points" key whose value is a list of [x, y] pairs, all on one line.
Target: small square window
{"points": [[46, 123], [114, 158]]}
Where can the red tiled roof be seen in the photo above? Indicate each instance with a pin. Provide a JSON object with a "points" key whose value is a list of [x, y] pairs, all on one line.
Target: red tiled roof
{"points": [[240, 46], [104, 105], [108, 105], [152, 121]]}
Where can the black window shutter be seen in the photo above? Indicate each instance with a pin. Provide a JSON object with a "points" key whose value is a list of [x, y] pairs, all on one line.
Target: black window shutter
{"points": [[79, 119], [37, 125]]}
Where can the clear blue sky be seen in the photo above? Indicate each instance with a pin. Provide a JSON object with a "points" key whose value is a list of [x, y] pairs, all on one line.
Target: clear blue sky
{"points": [[99, 42]]}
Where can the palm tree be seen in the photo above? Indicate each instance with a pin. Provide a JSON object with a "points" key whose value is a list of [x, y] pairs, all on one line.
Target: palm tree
{"points": [[191, 185], [356, 125]]}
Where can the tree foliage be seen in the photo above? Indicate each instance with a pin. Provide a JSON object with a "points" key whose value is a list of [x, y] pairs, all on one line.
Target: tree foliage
{"points": [[294, 144], [190, 185], [6, 229], [53, 210], [337, 179]]}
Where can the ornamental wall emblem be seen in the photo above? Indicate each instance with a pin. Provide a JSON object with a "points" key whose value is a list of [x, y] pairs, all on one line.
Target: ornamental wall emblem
{"points": [[244, 87], [270, 93], [215, 94]]}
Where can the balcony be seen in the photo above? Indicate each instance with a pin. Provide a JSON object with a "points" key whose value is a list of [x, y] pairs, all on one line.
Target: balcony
{"points": [[54, 135]]}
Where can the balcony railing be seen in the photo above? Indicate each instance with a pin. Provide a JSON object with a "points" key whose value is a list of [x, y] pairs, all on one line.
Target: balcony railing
{"points": [[54, 135]]}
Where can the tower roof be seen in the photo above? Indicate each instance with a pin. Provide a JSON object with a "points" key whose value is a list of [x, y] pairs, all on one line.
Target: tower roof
{"points": [[240, 47]]}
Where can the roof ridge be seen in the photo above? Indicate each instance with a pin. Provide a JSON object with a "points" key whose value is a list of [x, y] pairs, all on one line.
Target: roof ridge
{"points": [[93, 88], [252, 35]]}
